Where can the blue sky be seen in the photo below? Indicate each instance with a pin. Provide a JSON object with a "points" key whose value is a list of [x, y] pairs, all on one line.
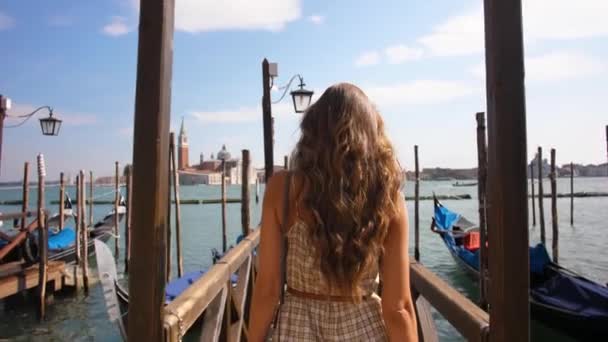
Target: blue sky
{"points": [[420, 61]]}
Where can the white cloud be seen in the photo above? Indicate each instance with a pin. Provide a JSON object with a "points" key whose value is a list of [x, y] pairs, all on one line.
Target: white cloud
{"points": [[212, 15], [6, 22], [116, 27], [398, 54], [419, 92], [316, 19], [556, 66], [563, 65], [463, 34], [242, 114], [368, 58]]}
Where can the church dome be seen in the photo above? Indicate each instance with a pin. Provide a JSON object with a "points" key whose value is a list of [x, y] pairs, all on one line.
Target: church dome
{"points": [[223, 154]]}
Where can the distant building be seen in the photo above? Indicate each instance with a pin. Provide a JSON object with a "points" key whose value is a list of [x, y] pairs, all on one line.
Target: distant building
{"points": [[209, 171], [182, 145]]}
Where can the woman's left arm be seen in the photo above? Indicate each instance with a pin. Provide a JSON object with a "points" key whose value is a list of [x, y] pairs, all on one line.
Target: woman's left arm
{"points": [[267, 286]]}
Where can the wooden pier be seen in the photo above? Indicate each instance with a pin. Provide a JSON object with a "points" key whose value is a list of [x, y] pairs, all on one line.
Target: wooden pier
{"points": [[15, 278]]}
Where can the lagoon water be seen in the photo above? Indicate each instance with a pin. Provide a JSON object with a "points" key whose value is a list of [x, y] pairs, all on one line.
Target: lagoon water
{"points": [[80, 318]]}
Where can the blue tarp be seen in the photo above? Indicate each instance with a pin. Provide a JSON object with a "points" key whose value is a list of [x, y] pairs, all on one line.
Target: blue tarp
{"points": [[178, 285], [579, 295], [62, 239], [445, 218]]}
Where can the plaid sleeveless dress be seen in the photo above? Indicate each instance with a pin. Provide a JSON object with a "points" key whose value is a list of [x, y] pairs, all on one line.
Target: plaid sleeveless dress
{"points": [[307, 319]]}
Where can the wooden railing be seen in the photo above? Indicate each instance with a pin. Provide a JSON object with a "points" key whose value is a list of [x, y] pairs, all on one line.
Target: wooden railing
{"points": [[214, 295]]}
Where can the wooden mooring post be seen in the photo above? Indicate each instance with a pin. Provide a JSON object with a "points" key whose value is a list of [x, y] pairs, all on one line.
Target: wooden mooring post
{"points": [[168, 258], [286, 163], [224, 238], [532, 189], [416, 206], [507, 211], [482, 169], [42, 239], [178, 215], [128, 218], [257, 189], [554, 218], [25, 193], [116, 200], [267, 122], [150, 170], [84, 232], [61, 201], [571, 193], [541, 210], [77, 230], [245, 195], [90, 198]]}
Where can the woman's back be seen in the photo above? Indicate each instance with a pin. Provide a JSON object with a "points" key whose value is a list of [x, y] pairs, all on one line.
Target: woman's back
{"points": [[313, 310], [345, 213]]}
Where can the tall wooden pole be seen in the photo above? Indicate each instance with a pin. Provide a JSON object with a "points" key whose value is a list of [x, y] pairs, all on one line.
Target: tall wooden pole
{"points": [[286, 162], [42, 238], [416, 206], [84, 233], [61, 201], [482, 171], [224, 239], [533, 198], [245, 195], [257, 189], [150, 170], [26, 192], [128, 218], [116, 216], [507, 172], [178, 211], [571, 194], [90, 198], [267, 121], [554, 218], [78, 242], [168, 232], [541, 210]]}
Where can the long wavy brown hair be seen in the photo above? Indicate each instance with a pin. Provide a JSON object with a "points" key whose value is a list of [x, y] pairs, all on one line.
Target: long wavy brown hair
{"points": [[352, 182]]}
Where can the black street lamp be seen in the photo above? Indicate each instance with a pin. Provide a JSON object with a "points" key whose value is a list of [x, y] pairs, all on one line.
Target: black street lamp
{"points": [[49, 125], [301, 102]]}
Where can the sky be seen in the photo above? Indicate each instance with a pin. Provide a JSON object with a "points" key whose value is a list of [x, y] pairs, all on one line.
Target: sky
{"points": [[421, 62]]}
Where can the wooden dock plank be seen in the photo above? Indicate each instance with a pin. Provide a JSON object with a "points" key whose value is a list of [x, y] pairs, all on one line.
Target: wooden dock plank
{"points": [[28, 278]]}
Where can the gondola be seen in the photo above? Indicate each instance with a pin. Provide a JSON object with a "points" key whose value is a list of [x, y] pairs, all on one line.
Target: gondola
{"points": [[464, 184], [61, 242], [559, 298], [117, 295]]}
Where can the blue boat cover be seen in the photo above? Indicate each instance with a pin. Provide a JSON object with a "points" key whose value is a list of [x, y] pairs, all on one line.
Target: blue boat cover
{"points": [[539, 258], [444, 218], [578, 295], [178, 285], [62, 239]]}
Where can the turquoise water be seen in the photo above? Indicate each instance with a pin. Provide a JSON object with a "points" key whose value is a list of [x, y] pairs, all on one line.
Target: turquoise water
{"points": [[84, 318]]}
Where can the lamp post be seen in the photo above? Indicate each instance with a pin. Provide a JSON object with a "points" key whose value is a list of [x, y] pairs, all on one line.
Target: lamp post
{"points": [[301, 101], [49, 125]]}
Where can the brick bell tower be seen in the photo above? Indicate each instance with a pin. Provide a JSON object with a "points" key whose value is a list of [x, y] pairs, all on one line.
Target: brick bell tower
{"points": [[182, 152]]}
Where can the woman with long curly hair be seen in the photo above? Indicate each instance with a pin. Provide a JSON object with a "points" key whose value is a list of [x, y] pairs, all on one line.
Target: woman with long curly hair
{"points": [[340, 211]]}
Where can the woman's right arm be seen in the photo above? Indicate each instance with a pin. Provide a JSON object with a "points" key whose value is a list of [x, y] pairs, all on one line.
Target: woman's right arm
{"points": [[397, 307]]}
